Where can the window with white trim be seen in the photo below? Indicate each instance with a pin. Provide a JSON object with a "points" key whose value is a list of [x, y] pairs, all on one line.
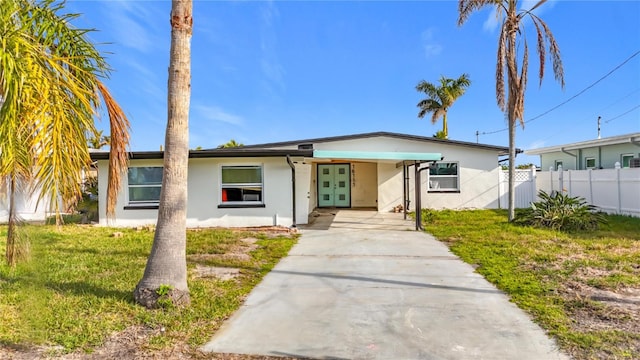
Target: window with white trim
{"points": [[625, 160], [144, 185], [444, 177], [242, 184], [590, 163]]}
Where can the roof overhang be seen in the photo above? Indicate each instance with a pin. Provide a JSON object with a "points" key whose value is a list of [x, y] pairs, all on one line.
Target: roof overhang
{"points": [[614, 140], [376, 155], [215, 153]]}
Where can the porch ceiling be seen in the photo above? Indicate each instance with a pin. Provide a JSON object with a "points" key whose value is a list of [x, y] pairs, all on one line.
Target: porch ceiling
{"points": [[376, 155]]}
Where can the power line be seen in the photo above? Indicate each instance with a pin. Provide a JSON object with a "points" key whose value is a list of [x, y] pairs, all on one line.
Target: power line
{"points": [[568, 100], [623, 114]]}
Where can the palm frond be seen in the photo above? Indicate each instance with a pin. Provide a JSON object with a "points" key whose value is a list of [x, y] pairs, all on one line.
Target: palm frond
{"points": [[541, 48], [118, 159], [500, 67], [554, 52]]}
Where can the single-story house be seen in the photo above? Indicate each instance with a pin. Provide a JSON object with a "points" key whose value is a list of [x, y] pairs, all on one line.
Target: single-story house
{"points": [[282, 183], [592, 154]]}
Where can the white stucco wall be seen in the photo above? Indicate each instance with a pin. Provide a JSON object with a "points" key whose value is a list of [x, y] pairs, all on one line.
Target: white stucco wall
{"points": [[364, 184], [28, 208], [204, 192]]}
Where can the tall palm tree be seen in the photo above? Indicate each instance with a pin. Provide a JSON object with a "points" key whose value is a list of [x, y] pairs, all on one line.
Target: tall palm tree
{"points": [[167, 263], [440, 98], [511, 29], [50, 90]]}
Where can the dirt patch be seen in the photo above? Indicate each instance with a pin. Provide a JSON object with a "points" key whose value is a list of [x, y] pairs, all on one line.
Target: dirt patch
{"points": [[219, 273], [598, 309], [127, 344]]}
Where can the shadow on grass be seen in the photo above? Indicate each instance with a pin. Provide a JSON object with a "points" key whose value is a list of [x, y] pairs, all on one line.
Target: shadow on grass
{"points": [[84, 288]]}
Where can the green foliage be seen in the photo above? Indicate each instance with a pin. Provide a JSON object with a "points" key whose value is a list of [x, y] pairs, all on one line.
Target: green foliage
{"points": [[164, 296], [558, 211], [78, 288], [440, 135]]}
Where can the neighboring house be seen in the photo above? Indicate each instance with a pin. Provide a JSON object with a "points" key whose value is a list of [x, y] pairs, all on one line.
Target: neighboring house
{"points": [[593, 154], [28, 208], [282, 183]]}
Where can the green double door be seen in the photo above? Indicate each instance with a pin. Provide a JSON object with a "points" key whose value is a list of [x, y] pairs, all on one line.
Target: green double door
{"points": [[334, 188]]}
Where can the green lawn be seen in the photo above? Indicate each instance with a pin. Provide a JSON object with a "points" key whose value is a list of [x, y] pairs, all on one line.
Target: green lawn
{"points": [[76, 290], [583, 287]]}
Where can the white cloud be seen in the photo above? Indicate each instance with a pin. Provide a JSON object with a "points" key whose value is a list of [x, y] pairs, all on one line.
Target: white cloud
{"points": [[269, 62], [536, 144], [215, 113], [492, 21], [134, 24], [431, 47]]}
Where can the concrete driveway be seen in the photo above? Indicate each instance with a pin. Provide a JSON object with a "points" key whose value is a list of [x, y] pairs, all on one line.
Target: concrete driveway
{"points": [[363, 285]]}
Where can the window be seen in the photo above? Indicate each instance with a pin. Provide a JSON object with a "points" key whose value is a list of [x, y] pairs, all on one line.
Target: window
{"points": [[144, 185], [626, 160], [590, 163], [558, 164], [242, 185], [444, 177]]}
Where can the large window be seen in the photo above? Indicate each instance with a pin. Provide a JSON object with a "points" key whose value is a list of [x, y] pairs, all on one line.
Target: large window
{"points": [[144, 185], [444, 177], [242, 185]]}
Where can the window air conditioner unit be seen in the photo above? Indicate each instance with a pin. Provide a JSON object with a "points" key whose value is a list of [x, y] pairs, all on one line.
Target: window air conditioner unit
{"points": [[634, 163]]}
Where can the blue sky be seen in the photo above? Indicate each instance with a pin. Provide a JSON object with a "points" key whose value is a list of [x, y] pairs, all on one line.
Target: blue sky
{"points": [[266, 71]]}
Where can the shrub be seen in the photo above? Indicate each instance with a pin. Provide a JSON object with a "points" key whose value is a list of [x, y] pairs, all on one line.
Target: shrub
{"points": [[561, 212]]}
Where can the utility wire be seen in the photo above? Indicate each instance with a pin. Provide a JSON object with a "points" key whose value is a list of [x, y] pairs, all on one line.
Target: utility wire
{"points": [[623, 114], [566, 101]]}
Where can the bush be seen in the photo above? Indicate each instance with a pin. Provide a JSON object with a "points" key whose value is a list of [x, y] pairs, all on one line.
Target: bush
{"points": [[561, 212]]}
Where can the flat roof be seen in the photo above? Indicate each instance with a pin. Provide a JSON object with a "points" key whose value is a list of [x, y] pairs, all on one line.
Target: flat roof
{"points": [[612, 140]]}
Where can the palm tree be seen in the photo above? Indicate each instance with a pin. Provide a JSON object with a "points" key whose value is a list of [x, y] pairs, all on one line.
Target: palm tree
{"points": [[440, 98], [167, 264], [50, 90], [98, 140], [230, 144], [512, 27]]}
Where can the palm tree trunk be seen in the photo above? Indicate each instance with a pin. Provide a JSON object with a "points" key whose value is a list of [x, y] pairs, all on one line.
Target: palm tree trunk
{"points": [[445, 126], [167, 264], [11, 226], [512, 103], [512, 166]]}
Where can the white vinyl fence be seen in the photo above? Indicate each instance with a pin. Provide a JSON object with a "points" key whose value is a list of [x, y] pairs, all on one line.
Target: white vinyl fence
{"points": [[525, 187], [615, 191]]}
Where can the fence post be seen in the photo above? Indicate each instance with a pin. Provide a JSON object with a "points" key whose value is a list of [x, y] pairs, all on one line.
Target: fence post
{"points": [[617, 166], [551, 178], [560, 179], [569, 183], [590, 187], [534, 187]]}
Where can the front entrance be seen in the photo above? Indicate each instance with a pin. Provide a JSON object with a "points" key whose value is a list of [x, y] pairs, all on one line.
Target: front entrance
{"points": [[334, 188]]}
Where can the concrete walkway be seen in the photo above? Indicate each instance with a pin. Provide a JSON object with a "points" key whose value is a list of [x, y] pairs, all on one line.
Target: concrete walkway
{"points": [[361, 285]]}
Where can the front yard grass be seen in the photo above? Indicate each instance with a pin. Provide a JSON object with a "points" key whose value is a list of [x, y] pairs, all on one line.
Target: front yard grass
{"points": [[582, 287], [76, 290]]}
